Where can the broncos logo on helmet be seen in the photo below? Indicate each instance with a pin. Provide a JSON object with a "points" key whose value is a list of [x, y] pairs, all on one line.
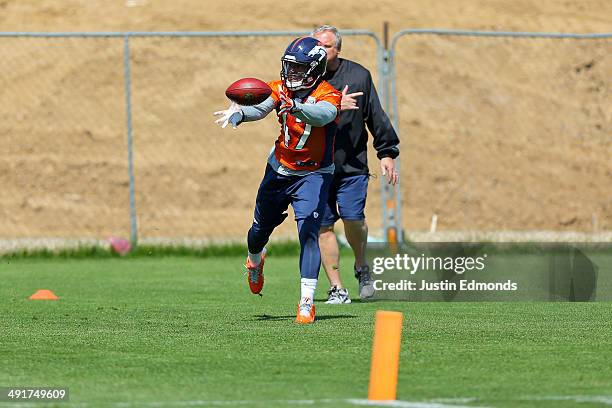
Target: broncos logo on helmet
{"points": [[303, 63]]}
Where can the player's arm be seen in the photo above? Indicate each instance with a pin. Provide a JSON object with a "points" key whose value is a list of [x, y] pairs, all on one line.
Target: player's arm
{"points": [[317, 115], [259, 111], [236, 114]]}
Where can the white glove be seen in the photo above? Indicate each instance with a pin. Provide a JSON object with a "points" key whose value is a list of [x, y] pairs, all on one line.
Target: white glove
{"points": [[232, 115]]}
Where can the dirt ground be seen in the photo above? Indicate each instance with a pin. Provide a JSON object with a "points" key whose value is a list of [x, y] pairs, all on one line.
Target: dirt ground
{"points": [[496, 134]]}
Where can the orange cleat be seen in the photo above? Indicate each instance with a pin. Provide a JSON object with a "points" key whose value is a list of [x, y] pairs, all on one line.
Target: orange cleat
{"points": [[305, 311], [255, 275]]}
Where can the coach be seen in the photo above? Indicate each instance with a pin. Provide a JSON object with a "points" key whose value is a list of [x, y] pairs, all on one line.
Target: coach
{"points": [[348, 193]]}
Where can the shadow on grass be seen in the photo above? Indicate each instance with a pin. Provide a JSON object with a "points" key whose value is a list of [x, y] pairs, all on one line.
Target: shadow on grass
{"points": [[266, 317]]}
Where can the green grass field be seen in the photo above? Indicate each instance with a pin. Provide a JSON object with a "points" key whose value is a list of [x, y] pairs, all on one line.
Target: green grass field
{"points": [[185, 331]]}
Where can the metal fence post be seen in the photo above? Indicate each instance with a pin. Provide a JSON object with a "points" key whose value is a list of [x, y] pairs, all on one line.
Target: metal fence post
{"points": [[382, 94], [390, 195], [128, 109], [395, 122]]}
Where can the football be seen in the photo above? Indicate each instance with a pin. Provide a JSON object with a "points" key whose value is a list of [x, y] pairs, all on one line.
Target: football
{"points": [[248, 91]]}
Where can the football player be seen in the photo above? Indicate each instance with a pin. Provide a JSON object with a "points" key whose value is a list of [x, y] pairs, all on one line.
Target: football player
{"points": [[300, 166]]}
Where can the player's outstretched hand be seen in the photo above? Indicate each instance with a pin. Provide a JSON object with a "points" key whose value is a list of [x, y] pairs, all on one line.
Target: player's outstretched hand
{"points": [[232, 115], [349, 100], [287, 104], [387, 167]]}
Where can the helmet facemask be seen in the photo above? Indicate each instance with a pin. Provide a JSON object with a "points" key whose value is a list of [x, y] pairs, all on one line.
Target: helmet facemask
{"points": [[297, 76]]}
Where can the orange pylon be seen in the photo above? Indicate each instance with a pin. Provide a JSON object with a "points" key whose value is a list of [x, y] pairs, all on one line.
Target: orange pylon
{"points": [[385, 356], [43, 294]]}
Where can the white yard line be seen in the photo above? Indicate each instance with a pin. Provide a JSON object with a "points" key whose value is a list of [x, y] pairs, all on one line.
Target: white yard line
{"points": [[220, 403], [434, 403], [406, 404], [586, 399]]}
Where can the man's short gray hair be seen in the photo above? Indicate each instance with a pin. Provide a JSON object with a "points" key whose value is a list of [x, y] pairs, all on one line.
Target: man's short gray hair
{"points": [[332, 30]]}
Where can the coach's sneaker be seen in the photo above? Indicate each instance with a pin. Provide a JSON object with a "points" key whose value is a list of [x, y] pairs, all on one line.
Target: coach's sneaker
{"points": [[337, 296], [366, 286], [255, 274], [305, 311]]}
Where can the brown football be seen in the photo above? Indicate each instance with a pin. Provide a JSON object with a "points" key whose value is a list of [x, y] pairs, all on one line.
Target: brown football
{"points": [[248, 91]]}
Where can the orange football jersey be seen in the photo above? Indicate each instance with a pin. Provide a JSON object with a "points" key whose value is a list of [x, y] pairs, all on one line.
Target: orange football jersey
{"points": [[301, 146]]}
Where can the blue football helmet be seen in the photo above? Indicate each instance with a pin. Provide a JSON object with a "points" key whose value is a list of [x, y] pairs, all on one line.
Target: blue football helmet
{"points": [[303, 63]]}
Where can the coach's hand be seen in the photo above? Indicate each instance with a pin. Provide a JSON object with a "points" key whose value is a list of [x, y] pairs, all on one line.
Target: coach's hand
{"points": [[387, 167], [349, 101], [232, 115]]}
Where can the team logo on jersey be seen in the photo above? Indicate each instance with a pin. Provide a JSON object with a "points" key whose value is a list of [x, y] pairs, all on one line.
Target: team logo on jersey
{"points": [[315, 215]]}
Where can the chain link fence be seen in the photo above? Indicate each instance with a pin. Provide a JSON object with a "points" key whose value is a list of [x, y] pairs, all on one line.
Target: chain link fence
{"points": [[63, 154], [500, 132], [65, 159], [504, 132]]}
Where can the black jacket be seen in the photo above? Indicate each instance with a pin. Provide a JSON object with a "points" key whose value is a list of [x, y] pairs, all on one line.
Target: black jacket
{"points": [[351, 156]]}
